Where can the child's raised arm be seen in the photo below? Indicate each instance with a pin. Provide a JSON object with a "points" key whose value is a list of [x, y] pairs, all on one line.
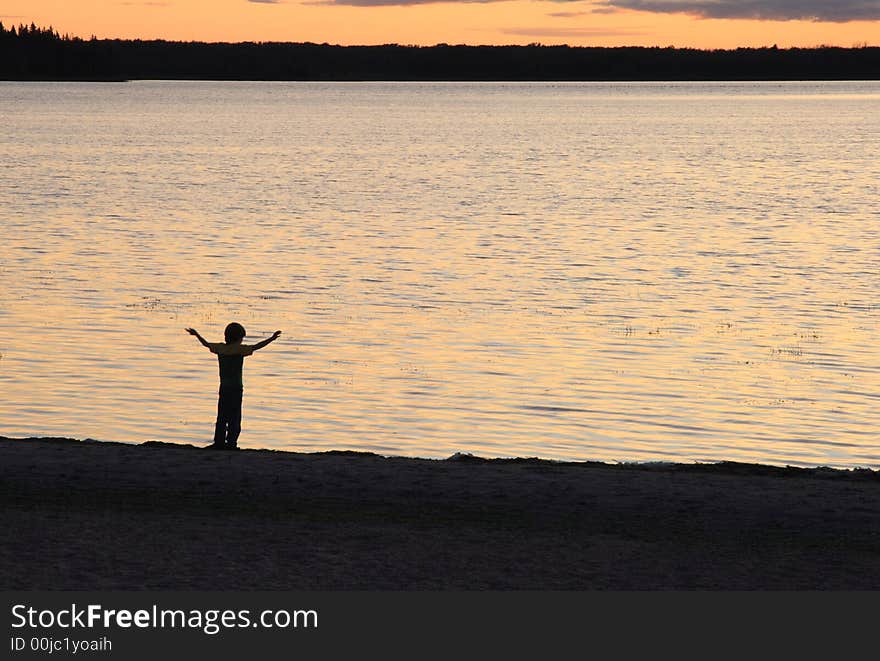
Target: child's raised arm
{"points": [[193, 331], [260, 345]]}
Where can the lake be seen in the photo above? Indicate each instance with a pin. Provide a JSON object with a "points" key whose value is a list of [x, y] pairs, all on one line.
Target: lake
{"points": [[578, 271]]}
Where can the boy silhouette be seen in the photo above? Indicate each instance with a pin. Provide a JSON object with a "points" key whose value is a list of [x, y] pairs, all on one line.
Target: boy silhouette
{"points": [[230, 356]]}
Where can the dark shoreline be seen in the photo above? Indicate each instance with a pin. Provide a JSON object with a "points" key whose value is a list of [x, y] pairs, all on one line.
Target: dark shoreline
{"points": [[83, 515], [718, 468], [34, 53]]}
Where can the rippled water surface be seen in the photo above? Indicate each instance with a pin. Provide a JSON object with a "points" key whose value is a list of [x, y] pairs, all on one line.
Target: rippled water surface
{"points": [[579, 271]]}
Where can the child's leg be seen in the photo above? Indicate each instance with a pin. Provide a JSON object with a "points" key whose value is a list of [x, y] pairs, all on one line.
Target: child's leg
{"points": [[220, 425], [234, 419]]}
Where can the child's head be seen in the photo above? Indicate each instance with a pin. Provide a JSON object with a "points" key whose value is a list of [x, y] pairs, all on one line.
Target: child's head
{"points": [[234, 333]]}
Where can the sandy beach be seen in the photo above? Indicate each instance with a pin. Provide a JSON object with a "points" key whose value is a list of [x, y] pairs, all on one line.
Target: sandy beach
{"points": [[80, 515]]}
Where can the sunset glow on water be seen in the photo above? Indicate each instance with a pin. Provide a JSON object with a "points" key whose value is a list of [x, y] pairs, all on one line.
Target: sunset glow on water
{"points": [[681, 272]]}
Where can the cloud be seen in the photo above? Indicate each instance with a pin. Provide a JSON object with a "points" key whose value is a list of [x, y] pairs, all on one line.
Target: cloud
{"points": [[568, 14], [570, 32], [391, 3], [834, 11], [589, 12]]}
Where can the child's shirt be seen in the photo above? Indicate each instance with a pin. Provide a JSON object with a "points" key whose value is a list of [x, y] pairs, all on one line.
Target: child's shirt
{"points": [[231, 360]]}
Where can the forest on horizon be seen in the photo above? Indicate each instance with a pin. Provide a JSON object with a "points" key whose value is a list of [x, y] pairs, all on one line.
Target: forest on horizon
{"points": [[36, 53]]}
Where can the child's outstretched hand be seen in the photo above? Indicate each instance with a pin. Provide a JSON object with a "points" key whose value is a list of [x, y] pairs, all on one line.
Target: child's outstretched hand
{"points": [[276, 335], [193, 331]]}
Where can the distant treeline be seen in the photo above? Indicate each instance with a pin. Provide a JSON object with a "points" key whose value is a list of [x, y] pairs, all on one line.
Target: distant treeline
{"points": [[34, 53]]}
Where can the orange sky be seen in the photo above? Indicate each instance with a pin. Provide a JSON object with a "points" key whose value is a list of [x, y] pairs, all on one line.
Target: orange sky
{"points": [[584, 22]]}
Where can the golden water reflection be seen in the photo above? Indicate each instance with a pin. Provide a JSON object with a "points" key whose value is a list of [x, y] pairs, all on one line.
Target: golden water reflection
{"points": [[614, 272]]}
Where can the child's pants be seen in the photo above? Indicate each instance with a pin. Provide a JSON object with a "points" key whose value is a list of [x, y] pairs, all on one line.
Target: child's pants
{"points": [[228, 425]]}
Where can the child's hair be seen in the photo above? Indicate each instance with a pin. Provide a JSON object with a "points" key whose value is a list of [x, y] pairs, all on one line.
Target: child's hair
{"points": [[234, 333]]}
